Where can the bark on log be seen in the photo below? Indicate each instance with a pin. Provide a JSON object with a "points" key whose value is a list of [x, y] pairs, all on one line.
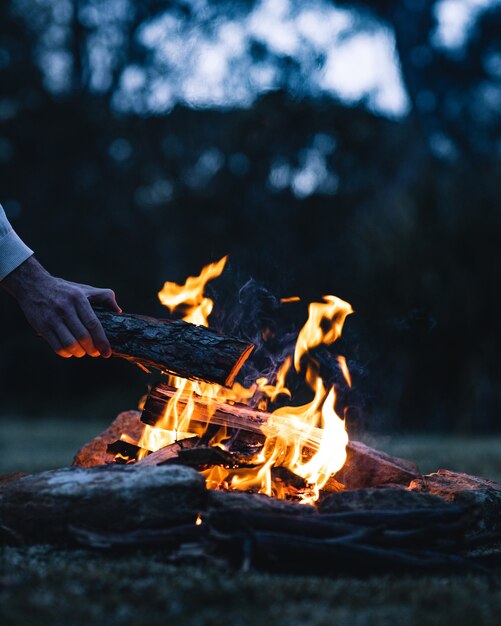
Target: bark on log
{"points": [[176, 347], [41, 508], [364, 467]]}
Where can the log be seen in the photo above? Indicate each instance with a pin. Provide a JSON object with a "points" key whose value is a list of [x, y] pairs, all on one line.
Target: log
{"points": [[169, 452], [237, 416], [364, 467], [176, 347]]}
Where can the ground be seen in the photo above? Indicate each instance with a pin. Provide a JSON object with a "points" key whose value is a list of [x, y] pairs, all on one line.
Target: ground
{"points": [[41, 585]]}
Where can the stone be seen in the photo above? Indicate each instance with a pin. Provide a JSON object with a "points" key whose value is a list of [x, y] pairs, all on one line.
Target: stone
{"points": [[481, 494], [389, 499], [367, 467], [256, 503], [42, 508], [94, 452]]}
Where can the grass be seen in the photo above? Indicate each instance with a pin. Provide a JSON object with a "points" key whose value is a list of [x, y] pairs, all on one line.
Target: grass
{"points": [[42, 585]]}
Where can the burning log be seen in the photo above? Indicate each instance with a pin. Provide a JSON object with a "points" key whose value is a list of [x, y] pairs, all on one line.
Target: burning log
{"points": [[364, 467], [176, 347], [170, 452]]}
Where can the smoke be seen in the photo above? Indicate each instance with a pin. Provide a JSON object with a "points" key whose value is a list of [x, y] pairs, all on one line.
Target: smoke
{"points": [[253, 312]]}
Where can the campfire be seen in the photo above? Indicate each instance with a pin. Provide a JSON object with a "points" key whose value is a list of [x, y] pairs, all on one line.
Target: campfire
{"points": [[217, 468], [292, 445]]}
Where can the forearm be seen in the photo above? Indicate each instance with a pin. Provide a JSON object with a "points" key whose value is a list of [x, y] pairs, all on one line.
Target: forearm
{"points": [[27, 278]]}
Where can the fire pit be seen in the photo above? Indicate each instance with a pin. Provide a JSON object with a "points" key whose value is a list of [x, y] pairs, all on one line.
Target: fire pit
{"points": [[242, 470]]}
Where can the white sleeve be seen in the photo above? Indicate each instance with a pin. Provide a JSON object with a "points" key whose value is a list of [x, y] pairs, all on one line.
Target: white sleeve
{"points": [[13, 251]]}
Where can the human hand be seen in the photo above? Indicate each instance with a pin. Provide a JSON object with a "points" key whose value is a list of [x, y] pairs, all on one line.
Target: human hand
{"points": [[61, 311]]}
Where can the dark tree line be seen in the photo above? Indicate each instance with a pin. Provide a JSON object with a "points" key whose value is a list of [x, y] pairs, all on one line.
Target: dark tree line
{"points": [[405, 224]]}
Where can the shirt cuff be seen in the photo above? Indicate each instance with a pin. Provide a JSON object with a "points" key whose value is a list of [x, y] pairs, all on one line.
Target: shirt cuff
{"points": [[13, 252]]}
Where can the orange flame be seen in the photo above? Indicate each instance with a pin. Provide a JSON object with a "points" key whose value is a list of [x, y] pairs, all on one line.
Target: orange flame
{"points": [[344, 369], [290, 430], [191, 294], [325, 325]]}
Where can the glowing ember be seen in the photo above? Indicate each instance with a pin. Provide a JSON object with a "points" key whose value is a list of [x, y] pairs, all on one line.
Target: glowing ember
{"points": [[289, 429]]}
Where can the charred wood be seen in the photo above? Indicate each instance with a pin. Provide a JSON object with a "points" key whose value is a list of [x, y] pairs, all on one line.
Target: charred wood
{"points": [[170, 452], [203, 456], [364, 466], [124, 451]]}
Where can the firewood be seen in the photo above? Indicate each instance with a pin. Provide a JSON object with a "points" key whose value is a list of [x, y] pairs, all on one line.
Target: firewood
{"points": [[176, 347], [125, 450], [364, 467], [169, 452]]}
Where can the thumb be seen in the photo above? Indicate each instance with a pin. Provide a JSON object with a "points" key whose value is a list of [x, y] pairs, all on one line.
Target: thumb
{"points": [[105, 298]]}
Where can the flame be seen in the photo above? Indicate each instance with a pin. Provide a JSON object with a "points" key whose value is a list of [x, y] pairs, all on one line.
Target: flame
{"points": [[191, 295], [290, 430], [344, 369], [271, 392], [325, 325]]}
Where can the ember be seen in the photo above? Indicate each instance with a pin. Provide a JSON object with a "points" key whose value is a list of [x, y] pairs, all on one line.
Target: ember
{"points": [[309, 440]]}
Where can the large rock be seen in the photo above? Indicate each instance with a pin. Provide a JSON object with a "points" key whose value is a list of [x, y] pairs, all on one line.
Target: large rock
{"points": [[40, 508], [256, 503], [94, 452], [367, 467], [480, 493], [390, 499]]}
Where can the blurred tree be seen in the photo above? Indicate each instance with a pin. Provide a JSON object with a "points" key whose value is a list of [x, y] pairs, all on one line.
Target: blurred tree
{"points": [[116, 175]]}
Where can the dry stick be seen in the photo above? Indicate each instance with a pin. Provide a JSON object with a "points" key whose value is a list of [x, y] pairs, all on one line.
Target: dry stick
{"points": [[170, 452], [177, 347]]}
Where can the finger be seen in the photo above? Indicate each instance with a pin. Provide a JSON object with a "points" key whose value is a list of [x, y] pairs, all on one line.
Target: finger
{"points": [[55, 344], [67, 341], [93, 325], [78, 330], [106, 298]]}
